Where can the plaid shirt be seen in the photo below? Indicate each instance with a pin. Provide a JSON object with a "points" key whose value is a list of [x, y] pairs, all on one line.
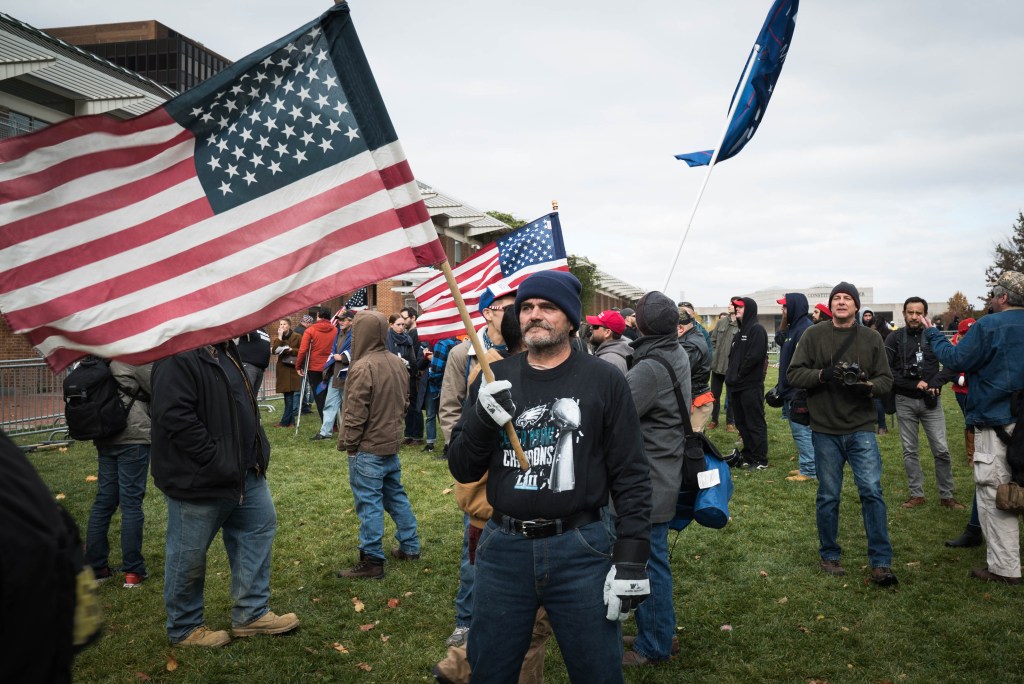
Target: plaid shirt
{"points": [[436, 373]]}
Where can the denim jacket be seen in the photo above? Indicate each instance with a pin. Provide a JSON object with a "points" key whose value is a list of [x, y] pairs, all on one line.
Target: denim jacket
{"points": [[991, 356]]}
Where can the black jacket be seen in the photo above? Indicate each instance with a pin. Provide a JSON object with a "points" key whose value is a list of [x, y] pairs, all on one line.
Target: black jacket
{"points": [[197, 450], [749, 355], [797, 322], [901, 348], [696, 348]]}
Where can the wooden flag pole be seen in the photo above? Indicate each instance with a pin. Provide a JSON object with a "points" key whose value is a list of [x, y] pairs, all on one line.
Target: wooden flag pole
{"points": [[485, 367]]}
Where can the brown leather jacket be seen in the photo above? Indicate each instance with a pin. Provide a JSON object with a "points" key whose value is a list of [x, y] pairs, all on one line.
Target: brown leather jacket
{"points": [[376, 391]]}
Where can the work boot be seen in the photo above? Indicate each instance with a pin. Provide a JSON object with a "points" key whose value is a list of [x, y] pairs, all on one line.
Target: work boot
{"points": [[203, 636], [970, 537], [270, 623], [368, 566]]}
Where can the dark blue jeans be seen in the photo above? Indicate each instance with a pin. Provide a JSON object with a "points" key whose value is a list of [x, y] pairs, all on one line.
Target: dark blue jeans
{"points": [[291, 409], [656, 617], [565, 573], [123, 470]]}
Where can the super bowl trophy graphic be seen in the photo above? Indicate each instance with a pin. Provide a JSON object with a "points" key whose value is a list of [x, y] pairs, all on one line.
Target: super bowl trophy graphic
{"points": [[567, 416]]}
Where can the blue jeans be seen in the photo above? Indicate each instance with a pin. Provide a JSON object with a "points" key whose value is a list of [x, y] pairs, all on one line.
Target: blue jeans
{"points": [[804, 443], [376, 483], [291, 409], [860, 450], [656, 617], [248, 530], [123, 470], [467, 572], [433, 404], [565, 573], [332, 408]]}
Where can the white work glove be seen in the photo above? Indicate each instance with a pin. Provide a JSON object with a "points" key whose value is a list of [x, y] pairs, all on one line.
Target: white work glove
{"points": [[494, 403], [625, 587]]}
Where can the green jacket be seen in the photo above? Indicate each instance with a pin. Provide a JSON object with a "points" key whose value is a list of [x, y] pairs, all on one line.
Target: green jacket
{"points": [[835, 410], [721, 343]]}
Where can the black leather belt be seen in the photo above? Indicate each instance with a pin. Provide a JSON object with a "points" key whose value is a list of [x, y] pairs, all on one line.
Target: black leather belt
{"points": [[541, 527]]}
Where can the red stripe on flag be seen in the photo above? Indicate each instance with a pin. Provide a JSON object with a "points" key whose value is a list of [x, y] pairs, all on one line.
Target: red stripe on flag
{"points": [[96, 205], [367, 271], [83, 165], [21, 145]]}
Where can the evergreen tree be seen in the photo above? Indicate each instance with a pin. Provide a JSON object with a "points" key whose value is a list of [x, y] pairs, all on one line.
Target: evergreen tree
{"points": [[1009, 255]]}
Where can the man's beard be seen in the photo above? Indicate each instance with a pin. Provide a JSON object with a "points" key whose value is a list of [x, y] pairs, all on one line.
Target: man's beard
{"points": [[555, 339]]}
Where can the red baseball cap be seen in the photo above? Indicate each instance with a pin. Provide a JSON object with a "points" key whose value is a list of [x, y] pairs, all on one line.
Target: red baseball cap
{"points": [[781, 301], [612, 320], [823, 309]]}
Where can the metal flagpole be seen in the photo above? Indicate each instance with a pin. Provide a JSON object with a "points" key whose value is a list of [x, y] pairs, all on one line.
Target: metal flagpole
{"points": [[302, 390], [478, 347], [714, 158]]}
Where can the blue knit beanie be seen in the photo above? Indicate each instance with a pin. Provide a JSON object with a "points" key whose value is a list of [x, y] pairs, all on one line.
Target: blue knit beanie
{"points": [[558, 287]]}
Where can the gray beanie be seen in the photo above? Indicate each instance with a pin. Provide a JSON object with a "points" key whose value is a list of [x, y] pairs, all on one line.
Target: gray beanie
{"points": [[656, 314]]}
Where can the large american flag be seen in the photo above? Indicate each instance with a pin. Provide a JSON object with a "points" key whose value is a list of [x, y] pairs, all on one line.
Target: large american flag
{"points": [[501, 265], [276, 183]]}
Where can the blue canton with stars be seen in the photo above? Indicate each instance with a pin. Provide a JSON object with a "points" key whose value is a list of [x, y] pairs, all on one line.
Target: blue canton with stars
{"points": [[276, 117], [534, 243]]}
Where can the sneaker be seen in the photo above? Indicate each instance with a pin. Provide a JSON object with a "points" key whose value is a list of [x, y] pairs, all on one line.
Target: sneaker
{"points": [[951, 503], [832, 567], [458, 637], [429, 446], [753, 465], [883, 577], [203, 636], [318, 437], [402, 555], [734, 459], [371, 568], [268, 624], [134, 579], [103, 574], [914, 502]]}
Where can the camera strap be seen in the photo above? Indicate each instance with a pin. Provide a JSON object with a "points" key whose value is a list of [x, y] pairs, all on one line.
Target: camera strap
{"points": [[845, 345]]}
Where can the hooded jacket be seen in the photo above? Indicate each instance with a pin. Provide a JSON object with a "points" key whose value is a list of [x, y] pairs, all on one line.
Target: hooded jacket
{"points": [[317, 341], [376, 391], [797, 321], [660, 422], [616, 352], [696, 348], [132, 380], [749, 351]]}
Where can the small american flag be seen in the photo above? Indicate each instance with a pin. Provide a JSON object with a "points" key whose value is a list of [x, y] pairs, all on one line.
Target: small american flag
{"points": [[357, 301], [502, 265], [278, 182]]}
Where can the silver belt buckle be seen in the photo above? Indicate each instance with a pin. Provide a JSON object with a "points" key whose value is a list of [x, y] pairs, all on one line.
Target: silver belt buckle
{"points": [[534, 527]]}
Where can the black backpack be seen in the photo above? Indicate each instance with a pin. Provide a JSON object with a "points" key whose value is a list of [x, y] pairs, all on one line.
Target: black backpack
{"points": [[92, 401]]}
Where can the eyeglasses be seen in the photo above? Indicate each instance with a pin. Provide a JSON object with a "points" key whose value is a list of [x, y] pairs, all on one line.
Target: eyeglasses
{"points": [[597, 327], [501, 309]]}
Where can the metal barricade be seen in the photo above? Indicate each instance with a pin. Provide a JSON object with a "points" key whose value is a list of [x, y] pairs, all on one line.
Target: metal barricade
{"points": [[31, 398]]}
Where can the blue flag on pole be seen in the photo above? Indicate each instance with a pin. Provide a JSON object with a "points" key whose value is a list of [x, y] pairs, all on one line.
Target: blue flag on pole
{"points": [[769, 51]]}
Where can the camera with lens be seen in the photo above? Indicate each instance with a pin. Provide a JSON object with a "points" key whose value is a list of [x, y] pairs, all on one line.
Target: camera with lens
{"points": [[913, 371], [851, 373]]}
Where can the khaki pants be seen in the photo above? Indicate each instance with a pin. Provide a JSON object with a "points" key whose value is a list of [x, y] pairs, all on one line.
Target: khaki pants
{"points": [[455, 667], [1001, 529], [700, 415]]}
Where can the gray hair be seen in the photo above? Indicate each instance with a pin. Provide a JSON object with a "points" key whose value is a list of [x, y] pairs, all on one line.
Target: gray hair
{"points": [[1013, 299]]}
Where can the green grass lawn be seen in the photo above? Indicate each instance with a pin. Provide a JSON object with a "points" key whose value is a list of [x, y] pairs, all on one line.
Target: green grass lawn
{"points": [[750, 601]]}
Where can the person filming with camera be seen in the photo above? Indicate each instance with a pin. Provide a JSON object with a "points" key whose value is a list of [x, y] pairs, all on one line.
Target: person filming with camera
{"points": [[842, 365], [917, 382]]}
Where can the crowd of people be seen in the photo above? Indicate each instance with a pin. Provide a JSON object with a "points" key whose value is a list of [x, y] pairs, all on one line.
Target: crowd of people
{"points": [[566, 443]]}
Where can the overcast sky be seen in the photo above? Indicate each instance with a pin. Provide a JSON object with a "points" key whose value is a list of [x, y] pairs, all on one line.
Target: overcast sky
{"points": [[891, 155]]}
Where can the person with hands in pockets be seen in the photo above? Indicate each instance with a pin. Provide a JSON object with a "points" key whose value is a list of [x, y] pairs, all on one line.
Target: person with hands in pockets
{"points": [[545, 544]]}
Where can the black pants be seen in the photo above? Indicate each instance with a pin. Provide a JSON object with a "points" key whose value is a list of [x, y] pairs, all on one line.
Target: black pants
{"points": [[314, 378], [717, 385], [748, 406]]}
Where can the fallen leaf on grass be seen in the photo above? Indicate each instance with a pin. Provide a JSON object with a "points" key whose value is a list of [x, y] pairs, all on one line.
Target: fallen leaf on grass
{"points": [[426, 571], [783, 601], [142, 676], [91, 478], [408, 594], [803, 629], [316, 599], [913, 564], [61, 496], [63, 450], [726, 628], [310, 651], [845, 629], [696, 556], [358, 605], [762, 573], [339, 648], [987, 596], [392, 603], [384, 638], [817, 681], [365, 667], [172, 664], [446, 490], [820, 617], [367, 628], [296, 562]]}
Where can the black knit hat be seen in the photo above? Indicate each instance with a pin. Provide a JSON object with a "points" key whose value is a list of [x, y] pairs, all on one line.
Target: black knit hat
{"points": [[845, 288], [558, 287], [656, 314]]}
